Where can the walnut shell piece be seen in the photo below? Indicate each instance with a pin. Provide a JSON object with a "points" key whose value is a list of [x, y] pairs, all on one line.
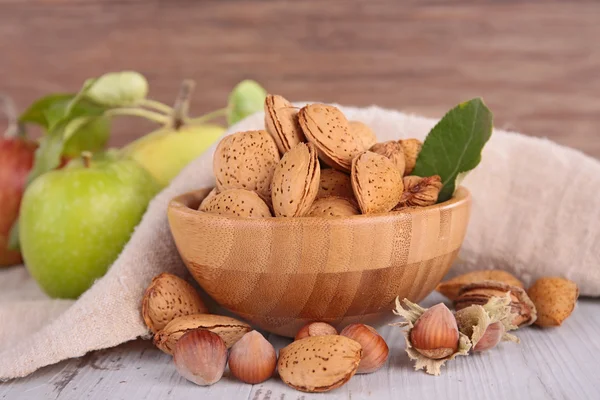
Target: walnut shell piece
{"points": [[481, 292], [296, 181], [363, 133], [319, 363], [420, 192], [169, 297], [281, 121], [412, 148], [376, 182], [327, 128], [554, 299], [238, 203], [246, 160], [333, 207], [392, 150], [451, 287]]}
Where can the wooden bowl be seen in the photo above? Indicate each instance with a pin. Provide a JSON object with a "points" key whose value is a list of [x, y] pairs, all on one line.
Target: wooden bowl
{"points": [[280, 273]]}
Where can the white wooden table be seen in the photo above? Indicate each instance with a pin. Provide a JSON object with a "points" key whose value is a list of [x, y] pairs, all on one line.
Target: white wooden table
{"points": [[561, 363]]}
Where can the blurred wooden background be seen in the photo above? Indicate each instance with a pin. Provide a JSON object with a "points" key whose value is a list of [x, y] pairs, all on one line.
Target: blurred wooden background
{"points": [[536, 63]]}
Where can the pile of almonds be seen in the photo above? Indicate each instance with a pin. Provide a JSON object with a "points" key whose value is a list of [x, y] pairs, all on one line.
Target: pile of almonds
{"points": [[313, 162], [203, 344], [488, 305]]}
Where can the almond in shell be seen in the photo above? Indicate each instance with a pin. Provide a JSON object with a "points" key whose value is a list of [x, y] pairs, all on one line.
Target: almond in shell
{"points": [[229, 329], [169, 297], [333, 207], [377, 183], [296, 181], [238, 203], [208, 198], [411, 148], [319, 363], [420, 192], [281, 121], [392, 150], [554, 299], [327, 128], [246, 160], [363, 133], [452, 287], [335, 183]]}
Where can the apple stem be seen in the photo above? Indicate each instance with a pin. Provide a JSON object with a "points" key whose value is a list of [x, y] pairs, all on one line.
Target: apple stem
{"points": [[15, 127], [182, 103], [207, 117], [86, 156]]}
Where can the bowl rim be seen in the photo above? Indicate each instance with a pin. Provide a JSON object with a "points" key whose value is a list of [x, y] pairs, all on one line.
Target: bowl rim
{"points": [[180, 203]]}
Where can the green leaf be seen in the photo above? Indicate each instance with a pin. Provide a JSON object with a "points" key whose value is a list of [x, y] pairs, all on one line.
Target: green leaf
{"points": [[36, 112], [246, 98], [116, 89], [454, 145], [85, 134]]}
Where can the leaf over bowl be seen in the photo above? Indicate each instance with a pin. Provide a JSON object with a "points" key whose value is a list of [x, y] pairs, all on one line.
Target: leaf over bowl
{"points": [[454, 145]]}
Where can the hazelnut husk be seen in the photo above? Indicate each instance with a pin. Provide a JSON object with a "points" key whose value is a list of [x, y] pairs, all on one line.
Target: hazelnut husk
{"points": [[432, 337], [489, 324], [479, 293]]}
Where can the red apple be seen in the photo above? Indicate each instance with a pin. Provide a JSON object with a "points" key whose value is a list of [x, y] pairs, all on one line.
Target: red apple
{"points": [[16, 159]]}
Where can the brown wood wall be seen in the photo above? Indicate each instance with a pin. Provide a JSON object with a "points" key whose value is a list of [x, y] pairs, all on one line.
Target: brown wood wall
{"points": [[536, 63]]}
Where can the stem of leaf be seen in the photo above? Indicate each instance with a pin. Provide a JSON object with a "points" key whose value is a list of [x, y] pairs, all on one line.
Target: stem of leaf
{"points": [[157, 106], [207, 117], [139, 112]]}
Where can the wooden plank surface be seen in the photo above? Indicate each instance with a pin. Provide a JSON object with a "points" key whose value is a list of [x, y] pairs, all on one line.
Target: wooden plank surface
{"points": [[536, 63], [559, 363]]}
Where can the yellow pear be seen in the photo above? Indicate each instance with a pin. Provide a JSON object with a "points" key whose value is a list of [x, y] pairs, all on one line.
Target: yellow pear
{"points": [[166, 151]]}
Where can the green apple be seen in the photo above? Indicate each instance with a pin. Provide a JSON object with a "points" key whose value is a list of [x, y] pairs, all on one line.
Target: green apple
{"points": [[74, 222], [167, 151]]}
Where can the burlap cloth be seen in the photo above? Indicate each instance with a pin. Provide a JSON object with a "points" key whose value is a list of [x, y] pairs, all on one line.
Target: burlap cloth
{"points": [[536, 213]]}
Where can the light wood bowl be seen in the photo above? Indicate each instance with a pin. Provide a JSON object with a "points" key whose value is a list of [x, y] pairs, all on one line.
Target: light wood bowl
{"points": [[280, 273]]}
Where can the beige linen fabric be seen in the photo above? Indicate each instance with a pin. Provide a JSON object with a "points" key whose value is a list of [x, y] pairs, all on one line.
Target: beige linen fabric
{"points": [[535, 213]]}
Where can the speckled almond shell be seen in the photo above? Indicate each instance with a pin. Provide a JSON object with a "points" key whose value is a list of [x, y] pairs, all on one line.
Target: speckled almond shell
{"points": [[327, 128], [296, 181], [392, 150], [554, 299], [208, 198], [480, 293], [246, 160], [281, 121], [451, 287], [411, 148], [237, 202], [377, 183], [229, 329], [169, 297], [319, 363], [363, 133], [333, 207], [335, 183]]}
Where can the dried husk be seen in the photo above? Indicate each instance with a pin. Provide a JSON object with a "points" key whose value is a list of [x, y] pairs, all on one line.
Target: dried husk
{"points": [[474, 320]]}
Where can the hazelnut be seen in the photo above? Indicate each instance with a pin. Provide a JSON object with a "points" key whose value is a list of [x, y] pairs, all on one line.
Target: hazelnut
{"points": [[432, 337], [492, 336], [435, 334], [375, 349], [200, 356], [252, 359], [315, 329]]}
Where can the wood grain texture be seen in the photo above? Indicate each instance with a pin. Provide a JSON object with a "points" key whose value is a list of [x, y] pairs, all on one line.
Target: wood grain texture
{"points": [[535, 63], [559, 363], [280, 273]]}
